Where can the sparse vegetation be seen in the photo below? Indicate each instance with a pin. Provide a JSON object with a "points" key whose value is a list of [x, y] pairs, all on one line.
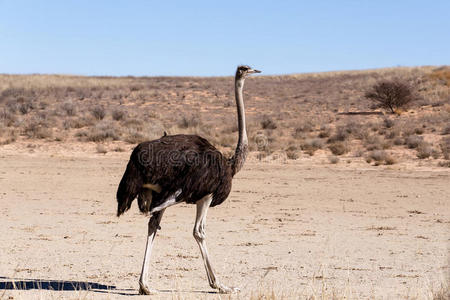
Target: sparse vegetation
{"points": [[138, 109]]}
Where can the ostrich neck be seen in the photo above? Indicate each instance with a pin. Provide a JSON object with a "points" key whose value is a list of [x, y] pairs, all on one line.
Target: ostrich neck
{"points": [[242, 146]]}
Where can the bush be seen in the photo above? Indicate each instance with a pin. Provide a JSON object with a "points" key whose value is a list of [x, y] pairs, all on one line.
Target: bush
{"points": [[446, 130], [268, 123], [413, 141], [388, 123], [98, 112], [37, 128], [390, 95], [102, 132], [7, 118], [378, 155], [445, 147], [341, 134], [390, 160], [292, 154], [325, 131], [424, 150], [311, 145], [101, 149], [333, 159], [69, 108], [118, 114], [25, 106], [338, 148], [187, 122]]}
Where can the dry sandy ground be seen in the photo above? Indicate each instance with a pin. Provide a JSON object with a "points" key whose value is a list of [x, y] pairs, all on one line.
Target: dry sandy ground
{"points": [[294, 230]]}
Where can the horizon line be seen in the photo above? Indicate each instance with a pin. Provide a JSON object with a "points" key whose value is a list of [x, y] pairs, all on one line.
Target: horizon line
{"points": [[221, 76]]}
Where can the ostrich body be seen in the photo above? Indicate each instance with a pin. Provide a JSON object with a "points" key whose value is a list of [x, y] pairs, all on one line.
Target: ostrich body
{"points": [[183, 168]]}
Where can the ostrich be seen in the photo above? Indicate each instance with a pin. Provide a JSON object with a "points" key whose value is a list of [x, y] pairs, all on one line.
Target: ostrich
{"points": [[183, 168]]}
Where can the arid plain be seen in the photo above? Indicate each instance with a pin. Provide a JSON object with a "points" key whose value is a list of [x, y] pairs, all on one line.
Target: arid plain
{"points": [[301, 222]]}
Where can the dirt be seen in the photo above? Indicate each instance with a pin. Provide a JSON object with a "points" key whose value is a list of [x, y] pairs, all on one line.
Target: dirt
{"points": [[288, 230]]}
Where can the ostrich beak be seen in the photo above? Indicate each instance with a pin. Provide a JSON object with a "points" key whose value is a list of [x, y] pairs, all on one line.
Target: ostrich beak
{"points": [[254, 71]]}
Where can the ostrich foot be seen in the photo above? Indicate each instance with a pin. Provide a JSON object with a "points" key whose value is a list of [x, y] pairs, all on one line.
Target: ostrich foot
{"points": [[145, 290], [223, 289]]}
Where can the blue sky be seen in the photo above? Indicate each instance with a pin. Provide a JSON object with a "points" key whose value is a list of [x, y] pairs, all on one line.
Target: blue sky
{"points": [[205, 38]]}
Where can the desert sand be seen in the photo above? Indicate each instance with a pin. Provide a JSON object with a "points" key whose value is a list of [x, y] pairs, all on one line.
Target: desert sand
{"points": [[289, 230]]}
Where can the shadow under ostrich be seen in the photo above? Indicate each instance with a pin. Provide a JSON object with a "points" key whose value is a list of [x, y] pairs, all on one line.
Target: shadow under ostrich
{"points": [[183, 168]]}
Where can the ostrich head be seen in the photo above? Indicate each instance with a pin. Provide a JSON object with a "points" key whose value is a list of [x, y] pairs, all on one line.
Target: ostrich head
{"points": [[244, 71]]}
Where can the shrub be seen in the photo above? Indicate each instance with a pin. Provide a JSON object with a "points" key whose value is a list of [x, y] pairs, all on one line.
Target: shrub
{"points": [[305, 126], [102, 132], [445, 147], [333, 159], [268, 123], [446, 130], [413, 141], [134, 136], [390, 160], [69, 108], [445, 164], [77, 123], [101, 149], [311, 145], [291, 154], [98, 112], [325, 131], [378, 155], [390, 95], [424, 150], [118, 114], [37, 128], [418, 130], [338, 148], [187, 122], [7, 118], [388, 123], [391, 134], [25, 106], [399, 141], [435, 153]]}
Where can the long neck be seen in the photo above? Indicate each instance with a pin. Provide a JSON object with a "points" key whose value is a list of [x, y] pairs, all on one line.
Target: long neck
{"points": [[242, 146]]}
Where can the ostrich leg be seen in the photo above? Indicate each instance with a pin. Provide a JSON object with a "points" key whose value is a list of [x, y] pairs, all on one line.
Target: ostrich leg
{"points": [[199, 235], [153, 226]]}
